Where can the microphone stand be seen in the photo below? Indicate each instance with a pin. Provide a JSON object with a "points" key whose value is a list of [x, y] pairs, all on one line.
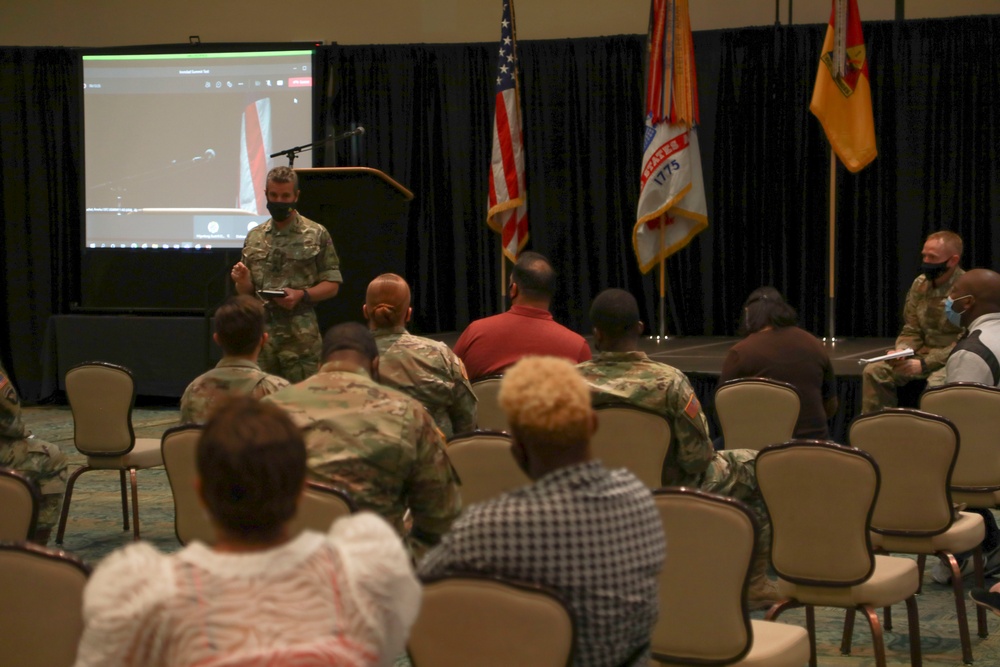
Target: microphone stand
{"points": [[292, 153]]}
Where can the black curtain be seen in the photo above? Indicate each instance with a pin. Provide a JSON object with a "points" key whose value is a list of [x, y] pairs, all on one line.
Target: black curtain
{"points": [[428, 114], [40, 188]]}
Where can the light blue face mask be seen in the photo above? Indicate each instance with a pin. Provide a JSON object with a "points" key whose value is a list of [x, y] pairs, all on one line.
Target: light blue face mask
{"points": [[949, 310]]}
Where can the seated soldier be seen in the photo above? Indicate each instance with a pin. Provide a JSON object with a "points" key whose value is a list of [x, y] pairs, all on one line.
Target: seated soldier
{"points": [[621, 373], [592, 534], [376, 443], [259, 595], [239, 331], [41, 462], [420, 367]]}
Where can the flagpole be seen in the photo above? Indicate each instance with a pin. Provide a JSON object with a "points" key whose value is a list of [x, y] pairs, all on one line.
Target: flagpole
{"points": [[503, 280], [663, 284], [831, 284]]}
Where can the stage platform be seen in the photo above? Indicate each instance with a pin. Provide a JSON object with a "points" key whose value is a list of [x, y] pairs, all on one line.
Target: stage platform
{"points": [[701, 357]]}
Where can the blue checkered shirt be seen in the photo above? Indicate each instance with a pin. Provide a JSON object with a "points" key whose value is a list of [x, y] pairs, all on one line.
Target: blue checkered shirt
{"points": [[591, 533]]}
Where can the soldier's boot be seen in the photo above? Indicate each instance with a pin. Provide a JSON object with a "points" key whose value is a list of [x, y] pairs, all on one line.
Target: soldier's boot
{"points": [[761, 592]]}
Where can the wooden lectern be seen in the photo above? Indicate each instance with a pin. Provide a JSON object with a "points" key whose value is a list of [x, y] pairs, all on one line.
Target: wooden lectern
{"points": [[366, 212]]}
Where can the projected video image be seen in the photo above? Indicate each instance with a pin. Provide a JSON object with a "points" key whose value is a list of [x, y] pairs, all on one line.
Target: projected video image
{"points": [[176, 146]]}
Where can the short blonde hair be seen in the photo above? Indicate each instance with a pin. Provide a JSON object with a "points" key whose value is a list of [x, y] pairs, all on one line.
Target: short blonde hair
{"points": [[950, 239], [546, 400]]}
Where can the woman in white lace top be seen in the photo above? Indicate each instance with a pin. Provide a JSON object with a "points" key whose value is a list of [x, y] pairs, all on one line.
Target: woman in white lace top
{"points": [[257, 597]]}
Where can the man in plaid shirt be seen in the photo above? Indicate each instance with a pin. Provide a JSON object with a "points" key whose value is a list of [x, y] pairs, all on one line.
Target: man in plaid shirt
{"points": [[590, 533]]}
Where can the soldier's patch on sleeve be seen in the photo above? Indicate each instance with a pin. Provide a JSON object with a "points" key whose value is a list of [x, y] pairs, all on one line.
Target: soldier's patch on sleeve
{"points": [[693, 407]]}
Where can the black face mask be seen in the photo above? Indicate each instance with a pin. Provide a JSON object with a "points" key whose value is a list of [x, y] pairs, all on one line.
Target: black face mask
{"points": [[933, 271], [280, 210]]}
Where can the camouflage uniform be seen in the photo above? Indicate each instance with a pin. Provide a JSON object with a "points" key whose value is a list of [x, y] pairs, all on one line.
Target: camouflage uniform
{"points": [[230, 377], [45, 464], [927, 332], [297, 257], [379, 445], [429, 372], [634, 378]]}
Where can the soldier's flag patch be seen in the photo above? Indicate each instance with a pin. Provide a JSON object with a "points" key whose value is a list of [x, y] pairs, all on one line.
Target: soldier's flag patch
{"points": [[693, 407]]}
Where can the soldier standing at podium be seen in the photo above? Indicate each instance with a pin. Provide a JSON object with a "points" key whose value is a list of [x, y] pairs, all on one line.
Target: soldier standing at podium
{"points": [[293, 254]]}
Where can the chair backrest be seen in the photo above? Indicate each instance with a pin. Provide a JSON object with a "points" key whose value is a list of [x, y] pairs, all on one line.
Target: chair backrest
{"points": [[633, 438], [19, 498], [489, 416], [485, 466], [756, 412], [974, 409], [490, 622], [820, 497], [179, 446], [41, 608], [101, 396], [320, 506], [915, 452], [703, 614]]}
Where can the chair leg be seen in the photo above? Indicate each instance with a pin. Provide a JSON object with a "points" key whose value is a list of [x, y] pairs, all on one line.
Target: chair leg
{"points": [[811, 629], [963, 620], [135, 504], [845, 642], [121, 476], [887, 615], [977, 561], [878, 640], [921, 563], [916, 657], [66, 498]]}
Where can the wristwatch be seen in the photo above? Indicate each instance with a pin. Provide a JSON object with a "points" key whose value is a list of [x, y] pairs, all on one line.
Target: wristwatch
{"points": [[306, 299]]}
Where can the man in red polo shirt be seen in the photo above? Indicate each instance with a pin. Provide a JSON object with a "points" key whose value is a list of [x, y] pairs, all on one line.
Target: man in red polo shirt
{"points": [[488, 346]]}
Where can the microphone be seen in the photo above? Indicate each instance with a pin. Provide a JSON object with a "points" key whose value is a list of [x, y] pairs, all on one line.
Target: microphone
{"points": [[351, 133]]}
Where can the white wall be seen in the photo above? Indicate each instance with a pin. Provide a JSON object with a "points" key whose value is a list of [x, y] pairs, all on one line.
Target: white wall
{"points": [[121, 22]]}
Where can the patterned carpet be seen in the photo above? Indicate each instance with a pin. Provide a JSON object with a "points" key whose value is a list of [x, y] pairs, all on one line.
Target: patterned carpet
{"points": [[95, 529]]}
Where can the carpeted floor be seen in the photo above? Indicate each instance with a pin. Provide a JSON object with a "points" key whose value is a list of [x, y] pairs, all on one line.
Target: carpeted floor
{"points": [[95, 529]]}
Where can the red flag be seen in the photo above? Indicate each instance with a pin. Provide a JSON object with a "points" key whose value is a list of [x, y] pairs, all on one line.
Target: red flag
{"points": [[842, 98], [672, 207], [508, 212]]}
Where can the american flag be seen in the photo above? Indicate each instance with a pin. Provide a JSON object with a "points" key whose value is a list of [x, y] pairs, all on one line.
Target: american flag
{"points": [[508, 212]]}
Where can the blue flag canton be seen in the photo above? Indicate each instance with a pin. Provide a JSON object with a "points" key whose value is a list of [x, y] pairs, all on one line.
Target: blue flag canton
{"points": [[649, 135], [506, 63]]}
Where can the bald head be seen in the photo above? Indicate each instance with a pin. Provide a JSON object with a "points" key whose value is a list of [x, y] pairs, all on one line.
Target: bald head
{"points": [[387, 303], [979, 289]]}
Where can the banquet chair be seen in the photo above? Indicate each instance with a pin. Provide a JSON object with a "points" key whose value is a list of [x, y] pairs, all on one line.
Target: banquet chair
{"points": [[469, 619], [915, 452], [756, 412], [41, 608], [19, 498], [974, 409], [101, 397], [820, 497], [489, 416], [321, 504], [704, 618], [634, 438], [485, 465]]}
